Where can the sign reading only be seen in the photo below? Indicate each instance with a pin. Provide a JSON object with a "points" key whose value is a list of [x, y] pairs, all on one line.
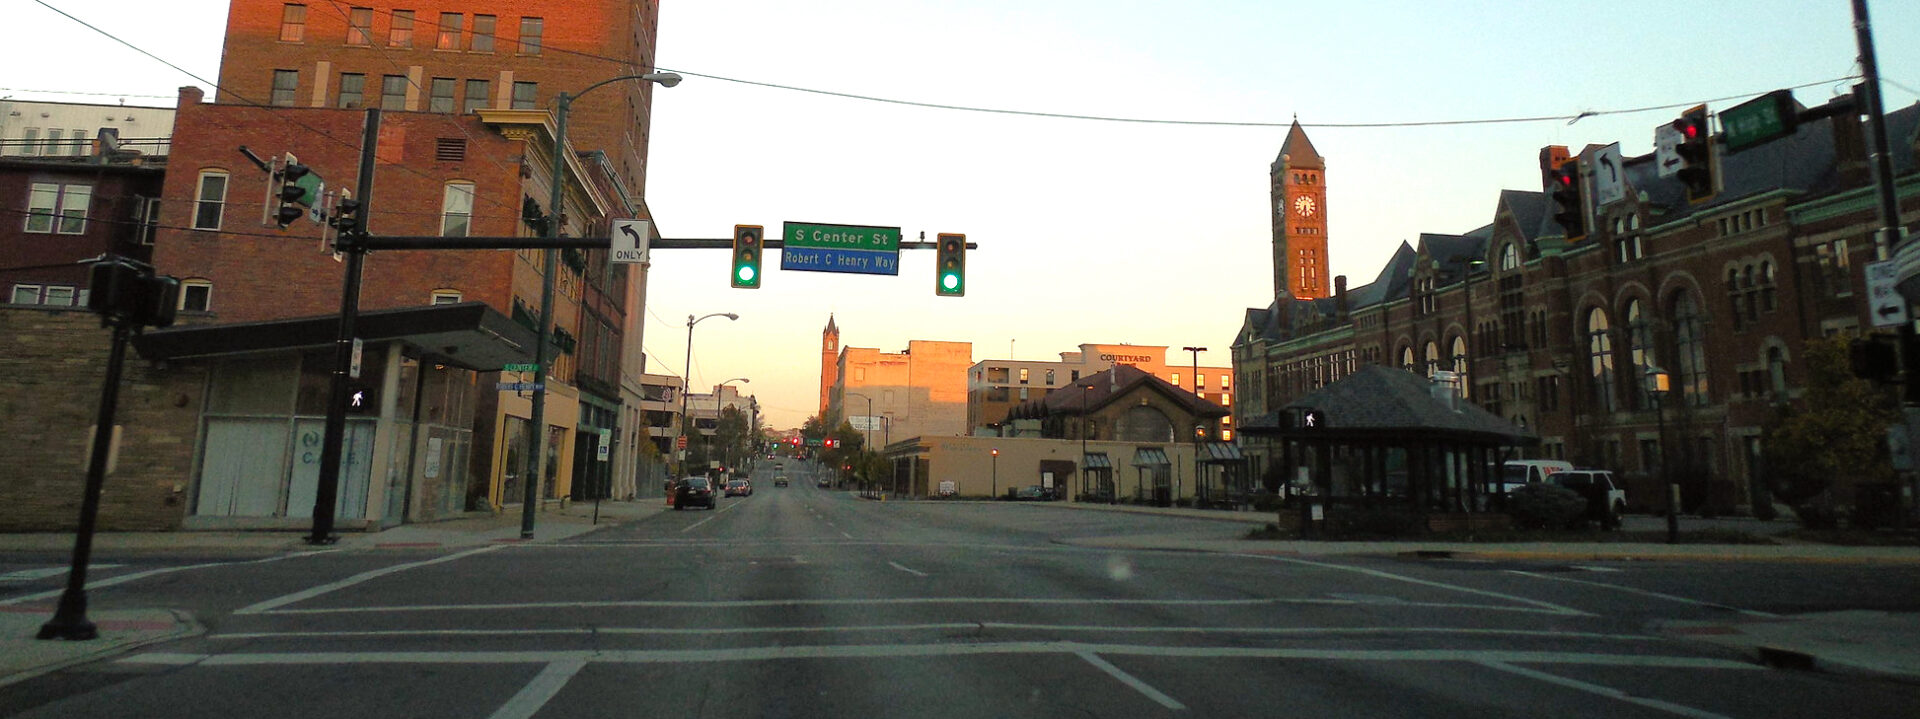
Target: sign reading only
{"points": [[858, 249]]}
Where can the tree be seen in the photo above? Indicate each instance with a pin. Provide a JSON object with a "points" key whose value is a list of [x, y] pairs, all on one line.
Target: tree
{"points": [[1837, 434]]}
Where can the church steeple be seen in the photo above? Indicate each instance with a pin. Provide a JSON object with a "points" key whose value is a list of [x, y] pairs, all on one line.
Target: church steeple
{"points": [[829, 362], [1299, 204]]}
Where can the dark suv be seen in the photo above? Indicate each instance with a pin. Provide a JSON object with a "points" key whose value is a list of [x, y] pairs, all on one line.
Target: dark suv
{"points": [[1606, 500], [693, 491]]}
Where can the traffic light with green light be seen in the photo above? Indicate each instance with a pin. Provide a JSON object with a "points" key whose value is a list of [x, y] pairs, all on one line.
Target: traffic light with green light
{"points": [[950, 266], [747, 246]]}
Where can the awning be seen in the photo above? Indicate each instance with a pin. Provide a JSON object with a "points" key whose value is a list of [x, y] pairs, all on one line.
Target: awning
{"points": [[1222, 452], [1151, 457], [469, 335], [1097, 460]]}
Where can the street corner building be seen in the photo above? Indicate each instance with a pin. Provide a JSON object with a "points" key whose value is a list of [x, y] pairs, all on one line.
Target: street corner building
{"points": [[1553, 315], [221, 414]]}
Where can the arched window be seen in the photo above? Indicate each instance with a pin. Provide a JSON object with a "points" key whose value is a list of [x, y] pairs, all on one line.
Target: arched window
{"points": [[1406, 358], [1600, 360], [1640, 348], [1459, 357], [1509, 257], [1768, 302], [1690, 348], [1735, 299], [1432, 359], [1777, 373]]}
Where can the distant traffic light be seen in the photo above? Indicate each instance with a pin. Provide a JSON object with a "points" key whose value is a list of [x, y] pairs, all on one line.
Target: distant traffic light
{"points": [[1696, 154], [746, 256], [950, 266], [1570, 206], [298, 188]]}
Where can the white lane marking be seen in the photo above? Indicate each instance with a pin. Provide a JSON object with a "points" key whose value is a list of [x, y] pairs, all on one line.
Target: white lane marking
{"points": [[306, 594], [538, 692], [898, 601], [1604, 691], [124, 578], [865, 651], [715, 515], [1555, 608], [904, 568], [1644, 593], [1592, 568], [1132, 681], [28, 575], [948, 626], [843, 533]]}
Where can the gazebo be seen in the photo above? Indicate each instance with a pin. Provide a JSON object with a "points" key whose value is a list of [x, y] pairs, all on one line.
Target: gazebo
{"points": [[1384, 437]]}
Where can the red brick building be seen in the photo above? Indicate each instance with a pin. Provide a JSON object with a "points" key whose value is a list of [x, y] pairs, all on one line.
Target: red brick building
{"points": [[453, 56], [1557, 336]]}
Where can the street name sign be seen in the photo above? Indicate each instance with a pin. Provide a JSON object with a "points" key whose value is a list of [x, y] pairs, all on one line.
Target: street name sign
{"points": [[519, 386], [525, 367], [855, 249], [1767, 117], [630, 238]]}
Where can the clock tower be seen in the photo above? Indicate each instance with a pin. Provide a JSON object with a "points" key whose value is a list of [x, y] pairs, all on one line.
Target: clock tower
{"points": [[1299, 198]]}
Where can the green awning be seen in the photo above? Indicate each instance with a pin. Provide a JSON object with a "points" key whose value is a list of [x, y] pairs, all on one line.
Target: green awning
{"points": [[1097, 460], [1151, 457], [1222, 452]]}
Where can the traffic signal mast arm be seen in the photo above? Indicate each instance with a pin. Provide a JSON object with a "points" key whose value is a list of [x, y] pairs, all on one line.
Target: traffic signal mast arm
{"points": [[436, 242]]}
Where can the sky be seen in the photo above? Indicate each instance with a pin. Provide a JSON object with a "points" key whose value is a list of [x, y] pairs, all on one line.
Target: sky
{"points": [[1088, 231]]}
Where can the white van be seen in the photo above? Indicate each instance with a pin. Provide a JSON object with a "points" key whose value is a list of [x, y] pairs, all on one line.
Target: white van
{"points": [[1517, 473]]}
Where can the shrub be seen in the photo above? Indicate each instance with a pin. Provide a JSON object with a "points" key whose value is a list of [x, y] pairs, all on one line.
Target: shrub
{"points": [[1545, 506], [1378, 522]]}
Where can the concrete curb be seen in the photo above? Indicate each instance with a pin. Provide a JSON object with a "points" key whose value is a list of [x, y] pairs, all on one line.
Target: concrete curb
{"points": [[54, 655]]}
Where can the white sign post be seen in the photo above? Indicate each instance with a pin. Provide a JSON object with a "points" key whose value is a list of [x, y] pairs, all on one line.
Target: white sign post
{"points": [[631, 241], [1886, 306]]}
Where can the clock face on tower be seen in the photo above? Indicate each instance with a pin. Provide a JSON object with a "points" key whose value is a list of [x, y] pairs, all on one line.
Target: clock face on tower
{"points": [[1303, 205]]}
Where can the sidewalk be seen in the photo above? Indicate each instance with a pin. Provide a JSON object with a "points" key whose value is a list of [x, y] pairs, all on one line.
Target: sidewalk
{"points": [[1234, 525], [476, 528]]}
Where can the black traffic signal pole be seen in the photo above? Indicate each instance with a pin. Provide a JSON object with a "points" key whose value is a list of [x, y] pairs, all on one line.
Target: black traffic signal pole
{"points": [[70, 618], [352, 243]]}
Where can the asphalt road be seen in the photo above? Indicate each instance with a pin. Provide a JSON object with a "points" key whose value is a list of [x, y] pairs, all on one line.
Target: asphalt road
{"points": [[804, 602]]}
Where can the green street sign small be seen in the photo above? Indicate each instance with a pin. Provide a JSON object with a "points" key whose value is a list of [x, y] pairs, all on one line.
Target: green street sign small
{"points": [[520, 368], [1762, 119], [841, 237]]}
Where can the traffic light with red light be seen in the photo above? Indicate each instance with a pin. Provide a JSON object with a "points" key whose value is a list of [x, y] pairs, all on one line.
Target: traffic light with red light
{"points": [[748, 241], [950, 266], [1569, 201], [1696, 154]]}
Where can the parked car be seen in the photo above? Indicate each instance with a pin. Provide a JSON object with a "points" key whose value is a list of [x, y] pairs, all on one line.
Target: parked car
{"points": [[1517, 473], [1606, 500], [826, 484], [780, 481], [693, 491], [739, 488], [1033, 493]]}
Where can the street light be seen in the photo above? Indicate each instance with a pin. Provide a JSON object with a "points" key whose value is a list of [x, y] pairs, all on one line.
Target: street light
{"points": [[716, 416], [993, 490], [1197, 431], [1086, 469], [1657, 387], [686, 378], [536, 439]]}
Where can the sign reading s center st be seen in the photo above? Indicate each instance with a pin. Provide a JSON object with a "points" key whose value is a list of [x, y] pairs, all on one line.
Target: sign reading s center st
{"points": [[858, 249]]}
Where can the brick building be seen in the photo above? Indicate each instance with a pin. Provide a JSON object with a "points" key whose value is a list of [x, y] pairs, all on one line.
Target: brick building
{"points": [[996, 387], [453, 56], [63, 210], [892, 396], [1557, 336]]}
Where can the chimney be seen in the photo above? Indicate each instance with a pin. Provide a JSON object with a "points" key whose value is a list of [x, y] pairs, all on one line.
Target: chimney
{"points": [[1445, 387], [1340, 306]]}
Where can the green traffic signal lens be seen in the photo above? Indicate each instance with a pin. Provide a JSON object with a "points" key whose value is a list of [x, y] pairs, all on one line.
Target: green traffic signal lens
{"points": [[950, 281], [746, 274]]}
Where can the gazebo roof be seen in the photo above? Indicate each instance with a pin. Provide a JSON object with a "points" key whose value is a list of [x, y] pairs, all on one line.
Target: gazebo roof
{"points": [[1376, 402]]}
